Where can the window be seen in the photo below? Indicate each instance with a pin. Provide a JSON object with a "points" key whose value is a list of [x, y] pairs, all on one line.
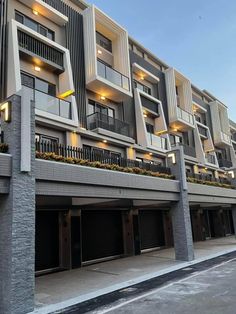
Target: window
{"points": [[104, 110], [142, 87], [38, 84], [104, 42], [46, 138], [21, 18], [150, 128], [175, 139]]}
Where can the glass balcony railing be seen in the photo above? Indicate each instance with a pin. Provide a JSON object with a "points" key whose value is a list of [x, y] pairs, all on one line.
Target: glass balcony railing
{"points": [[185, 116], [112, 75], [52, 105], [158, 141]]}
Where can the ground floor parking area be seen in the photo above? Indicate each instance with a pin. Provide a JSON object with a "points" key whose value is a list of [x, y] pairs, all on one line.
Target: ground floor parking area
{"points": [[61, 289]]}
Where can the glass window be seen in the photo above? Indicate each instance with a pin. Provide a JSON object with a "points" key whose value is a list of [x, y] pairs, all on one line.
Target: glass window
{"points": [[111, 112], [31, 24], [150, 128], [91, 108], [42, 30], [27, 80], [104, 42], [51, 35], [19, 18]]}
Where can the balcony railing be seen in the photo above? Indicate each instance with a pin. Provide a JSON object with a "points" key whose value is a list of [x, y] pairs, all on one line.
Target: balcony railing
{"points": [[86, 154], [210, 158], [225, 163], [184, 115], [39, 49], [208, 177], [157, 141], [112, 75], [225, 137], [202, 130], [149, 104], [99, 120], [52, 105]]}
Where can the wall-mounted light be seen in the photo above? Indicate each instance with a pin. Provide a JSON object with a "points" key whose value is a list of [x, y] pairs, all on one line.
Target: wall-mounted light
{"points": [[104, 141], [6, 109], [99, 51], [66, 94], [206, 168], [35, 12], [150, 154], [37, 68], [231, 173], [172, 157], [103, 98]]}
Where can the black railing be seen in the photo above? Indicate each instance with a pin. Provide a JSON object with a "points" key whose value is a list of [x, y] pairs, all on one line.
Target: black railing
{"points": [[202, 130], [112, 75], [208, 177], [103, 121], [225, 163], [40, 49], [87, 154]]}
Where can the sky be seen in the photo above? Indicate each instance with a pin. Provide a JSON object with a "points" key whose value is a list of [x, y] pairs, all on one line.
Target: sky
{"points": [[197, 37]]}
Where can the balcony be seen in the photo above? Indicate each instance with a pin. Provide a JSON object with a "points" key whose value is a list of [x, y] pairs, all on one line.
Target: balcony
{"points": [[189, 150], [225, 163], [52, 105], [210, 159], [202, 131], [112, 75], [185, 116], [157, 141], [89, 157], [35, 48], [205, 177], [99, 120]]}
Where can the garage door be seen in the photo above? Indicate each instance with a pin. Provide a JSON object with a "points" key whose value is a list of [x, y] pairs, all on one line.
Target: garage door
{"points": [[46, 240], [151, 229], [101, 234]]}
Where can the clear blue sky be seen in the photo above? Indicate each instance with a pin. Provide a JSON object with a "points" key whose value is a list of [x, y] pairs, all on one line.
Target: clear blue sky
{"points": [[197, 37]]}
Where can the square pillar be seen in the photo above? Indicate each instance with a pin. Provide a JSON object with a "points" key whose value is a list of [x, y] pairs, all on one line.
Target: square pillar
{"points": [[182, 230], [17, 213]]}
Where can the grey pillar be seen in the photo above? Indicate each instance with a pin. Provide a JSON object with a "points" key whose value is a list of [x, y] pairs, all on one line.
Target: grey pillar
{"points": [[234, 218], [182, 230], [17, 218]]}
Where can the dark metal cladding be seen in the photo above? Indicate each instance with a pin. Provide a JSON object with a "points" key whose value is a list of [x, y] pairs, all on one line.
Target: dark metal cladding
{"points": [[75, 44], [3, 48]]}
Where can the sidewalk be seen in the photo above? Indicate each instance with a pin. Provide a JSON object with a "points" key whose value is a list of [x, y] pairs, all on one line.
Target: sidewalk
{"points": [[60, 290]]}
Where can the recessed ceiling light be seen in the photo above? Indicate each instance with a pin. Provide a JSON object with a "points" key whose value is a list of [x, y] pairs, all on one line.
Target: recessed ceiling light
{"points": [[99, 51], [35, 12], [104, 141], [37, 68]]}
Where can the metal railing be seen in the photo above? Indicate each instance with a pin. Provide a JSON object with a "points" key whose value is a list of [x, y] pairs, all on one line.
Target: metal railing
{"points": [[99, 120], [52, 104], [112, 75], [158, 141], [185, 116], [202, 130], [40, 49], [225, 163], [208, 177], [44, 146]]}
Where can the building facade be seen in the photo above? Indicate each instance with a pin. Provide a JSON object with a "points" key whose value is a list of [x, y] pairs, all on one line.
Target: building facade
{"points": [[106, 151]]}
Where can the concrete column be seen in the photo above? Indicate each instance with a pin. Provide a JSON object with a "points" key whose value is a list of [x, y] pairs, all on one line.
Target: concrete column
{"points": [[127, 221], [234, 218], [17, 217], [182, 231]]}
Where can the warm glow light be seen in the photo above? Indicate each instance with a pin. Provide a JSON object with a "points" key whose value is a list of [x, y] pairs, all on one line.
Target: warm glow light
{"points": [[150, 154], [173, 158], [82, 128], [6, 108], [206, 168], [66, 94], [142, 77], [104, 141], [35, 12], [103, 98], [145, 115], [37, 68], [175, 130], [99, 51]]}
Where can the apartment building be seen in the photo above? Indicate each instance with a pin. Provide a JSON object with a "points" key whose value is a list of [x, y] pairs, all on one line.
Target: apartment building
{"points": [[106, 151]]}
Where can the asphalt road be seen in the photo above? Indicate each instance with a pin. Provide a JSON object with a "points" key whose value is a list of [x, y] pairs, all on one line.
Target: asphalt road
{"points": [[205, 288]]}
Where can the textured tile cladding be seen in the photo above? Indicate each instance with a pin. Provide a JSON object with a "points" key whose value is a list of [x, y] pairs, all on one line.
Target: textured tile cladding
{"points": [[134, 58], [75, 44], [17, 225], [3, 46]]}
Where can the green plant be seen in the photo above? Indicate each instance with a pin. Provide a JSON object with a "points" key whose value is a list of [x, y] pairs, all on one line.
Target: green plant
{"points": [[97, 164], [216, 184], [3, 148]]}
